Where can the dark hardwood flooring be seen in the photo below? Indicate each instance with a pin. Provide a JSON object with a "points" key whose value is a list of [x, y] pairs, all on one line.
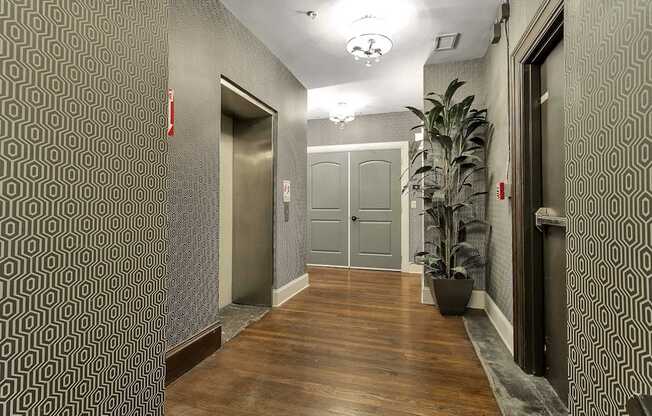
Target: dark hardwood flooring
{"points": [[354, 343]]}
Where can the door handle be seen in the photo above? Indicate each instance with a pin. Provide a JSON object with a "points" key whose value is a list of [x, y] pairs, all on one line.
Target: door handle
{"points": [[354, 218], [548, 217]]}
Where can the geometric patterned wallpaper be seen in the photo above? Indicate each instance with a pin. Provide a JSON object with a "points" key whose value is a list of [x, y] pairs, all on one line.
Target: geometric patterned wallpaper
{"points": [[82, 207], [206, 41], [608, 173]]}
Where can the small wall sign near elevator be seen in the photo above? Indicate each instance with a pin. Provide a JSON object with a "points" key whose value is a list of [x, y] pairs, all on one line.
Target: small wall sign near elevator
{"points": [[287, 197]]}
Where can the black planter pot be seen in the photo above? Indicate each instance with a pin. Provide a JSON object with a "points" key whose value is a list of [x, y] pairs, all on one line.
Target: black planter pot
{"points": [[451, 295]]}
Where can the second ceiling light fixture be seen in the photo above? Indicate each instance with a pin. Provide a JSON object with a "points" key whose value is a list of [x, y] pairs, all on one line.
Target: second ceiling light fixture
{"points": [[369, 42]]}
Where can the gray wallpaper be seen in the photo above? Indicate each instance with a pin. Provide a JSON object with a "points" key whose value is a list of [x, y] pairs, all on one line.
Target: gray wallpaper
{"points": [[82, 207], [499, 213], [373, 128], [207, 41], [437, 77], [369, 128], [609, 254]]}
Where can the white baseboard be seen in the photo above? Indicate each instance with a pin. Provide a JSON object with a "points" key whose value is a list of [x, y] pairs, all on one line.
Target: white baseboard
{"points": [[327, 265], [477, 300], [414, 268], [501, 323], [481, 300], [426, 296], [288, 291]]}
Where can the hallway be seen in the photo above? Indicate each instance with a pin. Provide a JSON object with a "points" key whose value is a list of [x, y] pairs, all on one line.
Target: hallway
{"points": [[353, 343], [197, 198]]}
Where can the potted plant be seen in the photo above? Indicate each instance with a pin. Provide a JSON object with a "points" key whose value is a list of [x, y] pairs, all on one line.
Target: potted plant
{"points": [[449, 168]]}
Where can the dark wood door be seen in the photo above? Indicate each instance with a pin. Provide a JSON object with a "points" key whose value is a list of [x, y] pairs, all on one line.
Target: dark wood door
{"points": [[554, 236]]}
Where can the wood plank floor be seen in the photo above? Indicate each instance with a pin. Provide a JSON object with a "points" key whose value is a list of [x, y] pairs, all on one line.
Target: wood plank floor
{"points": [[354, 343]]}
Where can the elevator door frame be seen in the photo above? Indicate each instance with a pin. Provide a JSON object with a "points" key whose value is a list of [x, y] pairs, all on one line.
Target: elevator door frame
{"points": [[405, 198], [232, 87], [542, 35]]}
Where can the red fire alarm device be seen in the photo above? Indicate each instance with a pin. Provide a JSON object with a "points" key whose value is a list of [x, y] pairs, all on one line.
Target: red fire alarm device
{"points": [[502, 191], [170, 112]]}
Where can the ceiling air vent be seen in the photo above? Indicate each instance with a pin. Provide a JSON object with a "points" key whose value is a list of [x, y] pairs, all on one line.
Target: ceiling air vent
{"points": [[446, 42]]}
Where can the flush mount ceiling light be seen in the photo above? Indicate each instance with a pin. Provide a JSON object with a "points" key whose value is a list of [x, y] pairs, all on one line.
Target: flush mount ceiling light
{"points": [[369, 41], [342, 114]]}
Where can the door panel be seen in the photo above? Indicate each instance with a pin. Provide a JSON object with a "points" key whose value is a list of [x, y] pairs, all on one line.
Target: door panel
{"points": [[253, 226], [377, 197], [376, 209], [554, 238], [328, 209], [375, 237]]}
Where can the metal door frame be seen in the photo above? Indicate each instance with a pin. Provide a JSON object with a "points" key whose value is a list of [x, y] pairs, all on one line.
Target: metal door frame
{"points": [[225, 82], [543, 34], [405, 197]]}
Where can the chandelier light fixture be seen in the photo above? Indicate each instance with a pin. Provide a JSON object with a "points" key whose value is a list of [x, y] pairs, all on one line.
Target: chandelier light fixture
{"points": [[369, 42], [342, 114]]}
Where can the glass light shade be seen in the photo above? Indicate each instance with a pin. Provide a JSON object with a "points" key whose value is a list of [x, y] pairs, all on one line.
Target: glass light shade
{"points": [[369, 39], [342, 114]]}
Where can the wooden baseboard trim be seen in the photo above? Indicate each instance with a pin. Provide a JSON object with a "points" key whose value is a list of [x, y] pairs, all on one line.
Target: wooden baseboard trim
{"points": [[180, 359]]}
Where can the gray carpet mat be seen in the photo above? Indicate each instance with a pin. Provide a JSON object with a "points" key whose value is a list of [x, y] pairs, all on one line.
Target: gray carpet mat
{"points": [[235, 318], [516, 392]]}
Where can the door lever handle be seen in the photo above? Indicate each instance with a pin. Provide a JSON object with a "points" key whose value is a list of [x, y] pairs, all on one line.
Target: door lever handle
{"points": [[354, 218], [548, 217]]}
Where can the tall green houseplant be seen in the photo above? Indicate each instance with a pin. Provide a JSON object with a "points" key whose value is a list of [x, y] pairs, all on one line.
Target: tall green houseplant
{"points": [[447, 169]]}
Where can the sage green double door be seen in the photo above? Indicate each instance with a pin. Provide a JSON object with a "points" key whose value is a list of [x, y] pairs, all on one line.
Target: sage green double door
{"points": [[354, 209]]}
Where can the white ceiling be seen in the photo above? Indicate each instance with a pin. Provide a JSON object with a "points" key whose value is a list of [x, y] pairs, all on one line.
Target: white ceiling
{"points": [[314, 50]]}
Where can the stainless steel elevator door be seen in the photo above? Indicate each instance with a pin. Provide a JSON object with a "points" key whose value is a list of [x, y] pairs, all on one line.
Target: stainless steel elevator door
{"points": [[554, 238], [328, 209], [253, 211]]}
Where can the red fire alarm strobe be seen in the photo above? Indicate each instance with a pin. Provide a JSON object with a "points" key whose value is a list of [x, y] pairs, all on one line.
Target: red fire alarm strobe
{"points": [[502, 191], [170, 112]]}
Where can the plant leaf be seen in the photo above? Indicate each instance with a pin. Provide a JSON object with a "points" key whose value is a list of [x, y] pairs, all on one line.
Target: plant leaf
{"points": [[463, 246], [469, 174], [475, 221], [432, 213], [444, 140], [417, 154], [475, 260], [459, 270], [467, 158], [452, 89], [455, 207], [420, 126], [422, 169], [473, 147], [417, 112], [435, 103]]}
